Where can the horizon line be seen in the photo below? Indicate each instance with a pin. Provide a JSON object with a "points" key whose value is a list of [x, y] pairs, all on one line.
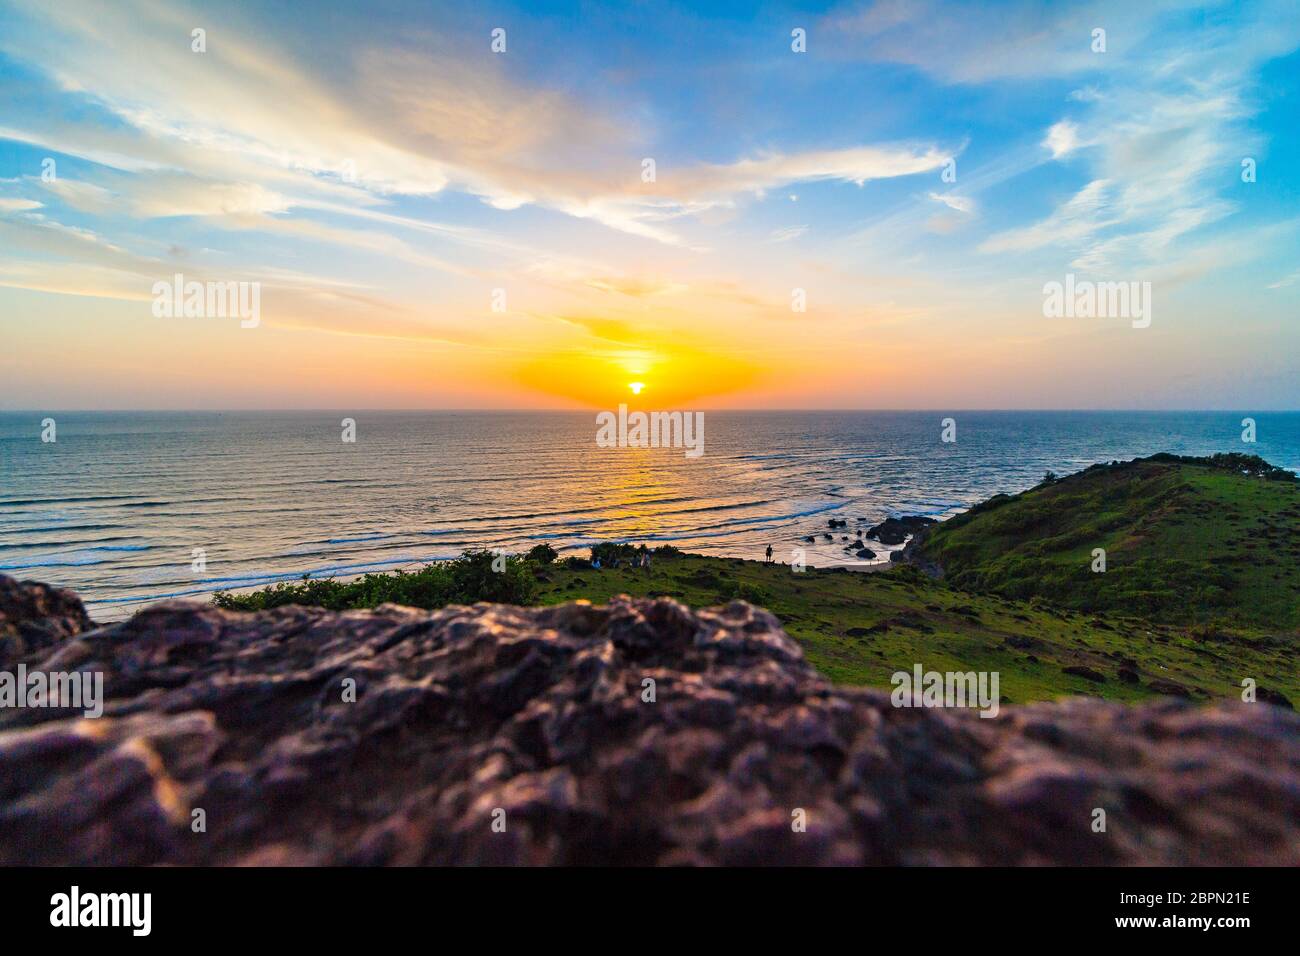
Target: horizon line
{"points": [[570, 411]]}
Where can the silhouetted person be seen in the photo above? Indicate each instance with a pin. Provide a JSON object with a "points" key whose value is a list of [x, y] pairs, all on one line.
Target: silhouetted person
{"points": [[769, 554]]}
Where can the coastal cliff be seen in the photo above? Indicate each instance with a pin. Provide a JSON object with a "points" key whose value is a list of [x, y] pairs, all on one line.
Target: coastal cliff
{"points": [[638, 732]]}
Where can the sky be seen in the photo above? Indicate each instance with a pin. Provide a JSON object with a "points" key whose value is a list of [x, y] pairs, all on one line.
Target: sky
{"points": [[544, 205]]}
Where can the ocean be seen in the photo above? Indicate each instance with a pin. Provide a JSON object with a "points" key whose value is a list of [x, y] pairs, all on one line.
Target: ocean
{"points": [[122, 506]]}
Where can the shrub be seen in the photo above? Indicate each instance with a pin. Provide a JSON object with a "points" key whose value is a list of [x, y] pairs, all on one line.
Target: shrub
{"points": [[463, 580], [607, 552], [542, 554], [744, 591]]}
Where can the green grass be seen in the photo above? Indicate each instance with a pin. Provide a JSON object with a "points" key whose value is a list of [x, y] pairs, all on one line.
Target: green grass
{"points": [[859, 628], [1187, 541], [1206, 551]]}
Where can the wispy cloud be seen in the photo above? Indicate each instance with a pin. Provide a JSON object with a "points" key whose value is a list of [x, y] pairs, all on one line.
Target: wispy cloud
{"points": [[788, 233]]}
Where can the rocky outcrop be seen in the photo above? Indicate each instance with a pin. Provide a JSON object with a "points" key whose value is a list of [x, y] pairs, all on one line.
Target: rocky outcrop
{"points": [[35, 616], [897, 530], [912, 554], [635, 733]]}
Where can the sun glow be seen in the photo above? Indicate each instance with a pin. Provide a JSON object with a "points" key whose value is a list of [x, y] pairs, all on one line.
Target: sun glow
{"points": [[601, 378]]}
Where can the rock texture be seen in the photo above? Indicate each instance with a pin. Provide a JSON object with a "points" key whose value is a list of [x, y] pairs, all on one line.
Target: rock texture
{"points": [[35, 616], [898, 530], [536, 717]]}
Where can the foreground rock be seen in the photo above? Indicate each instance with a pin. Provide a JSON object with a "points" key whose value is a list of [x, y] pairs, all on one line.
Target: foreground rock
{"points": [[536, 718], [35, 616]]}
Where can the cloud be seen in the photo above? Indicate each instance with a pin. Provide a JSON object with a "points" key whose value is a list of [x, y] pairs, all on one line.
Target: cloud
{"points": [[962, 204], [971, 43], [788, 233], [250, 127], [1074, 221], [1086, 94], [1160, 149], [8, 204], [634, 287], [86, 197], [1062, 138]]}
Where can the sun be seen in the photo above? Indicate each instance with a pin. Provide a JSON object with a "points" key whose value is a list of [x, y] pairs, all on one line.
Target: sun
{"points": [[636, 387]]}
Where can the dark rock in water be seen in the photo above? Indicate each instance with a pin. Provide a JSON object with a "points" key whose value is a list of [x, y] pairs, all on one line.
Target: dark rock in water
{"points": [[897, 530], [534, 717], [35, 616], [889, 531], [1087, 673], [1170, 688], [866, 554], [838, 523], [895, 557], [810, 539]]}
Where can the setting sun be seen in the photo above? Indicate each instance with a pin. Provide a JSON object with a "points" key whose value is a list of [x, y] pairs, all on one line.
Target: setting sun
{"points": [[636, 387]]}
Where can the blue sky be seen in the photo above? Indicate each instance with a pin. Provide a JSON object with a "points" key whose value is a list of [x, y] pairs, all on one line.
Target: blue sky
{"points": [[382, 172]]}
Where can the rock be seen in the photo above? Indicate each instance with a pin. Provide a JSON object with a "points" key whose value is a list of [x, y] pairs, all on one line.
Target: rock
{"points": [[838, 523], [535, 716], [897, 530], [1023, 642], [1170, 688], [1087, 673], [1129, 676], [866, 554], [1274, 697], [36, 616]]}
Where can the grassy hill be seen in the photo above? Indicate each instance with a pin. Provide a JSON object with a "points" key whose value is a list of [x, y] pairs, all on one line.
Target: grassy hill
{"points": [[1212, 541], [1200, 589], [860, 628]]}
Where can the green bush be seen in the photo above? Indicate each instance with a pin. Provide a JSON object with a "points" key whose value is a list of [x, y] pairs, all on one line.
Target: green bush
{"points": [[608, 552], [542, 554], [463, 580]]}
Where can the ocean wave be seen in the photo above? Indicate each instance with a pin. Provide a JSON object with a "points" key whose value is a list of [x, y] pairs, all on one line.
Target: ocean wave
{"points": [[68, 527], [579, 511], [53, 562], [62, 501], [78, 545]]}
